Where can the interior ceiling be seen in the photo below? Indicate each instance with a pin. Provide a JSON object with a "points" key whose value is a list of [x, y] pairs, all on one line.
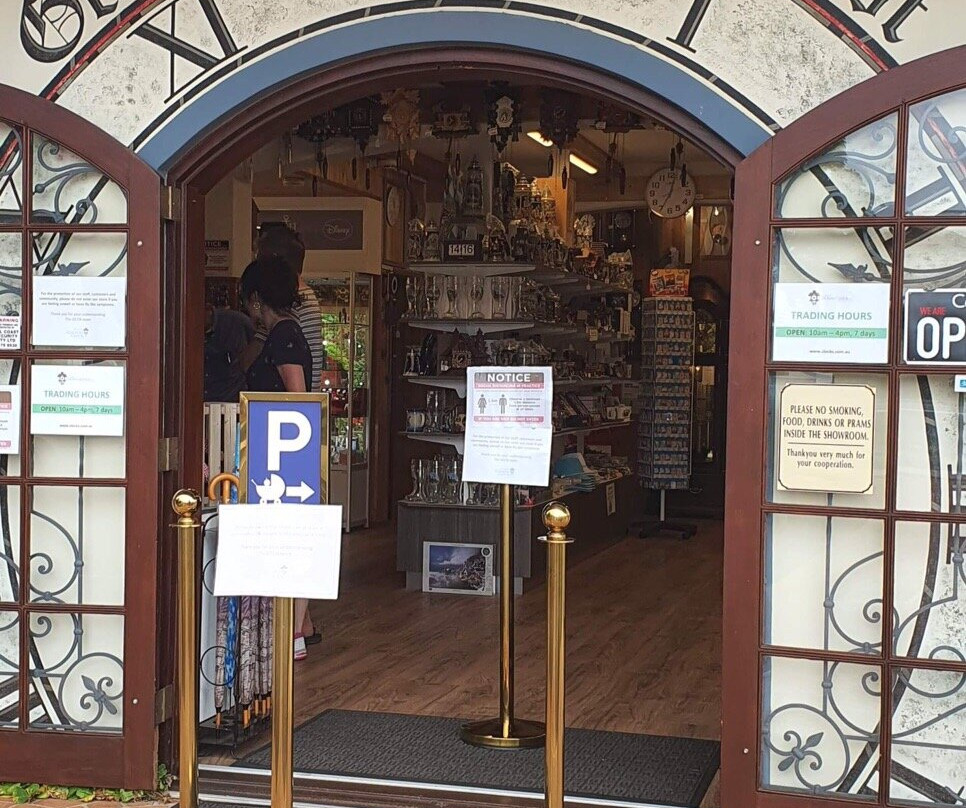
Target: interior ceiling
{"points": [[642, 150]]}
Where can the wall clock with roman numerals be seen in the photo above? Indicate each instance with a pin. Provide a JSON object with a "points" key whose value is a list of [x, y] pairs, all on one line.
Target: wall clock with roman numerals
{"points": [[667, 195]]}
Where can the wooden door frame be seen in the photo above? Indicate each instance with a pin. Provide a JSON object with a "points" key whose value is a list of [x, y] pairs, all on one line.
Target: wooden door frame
{"points": [[127, 759], [748, 402]]}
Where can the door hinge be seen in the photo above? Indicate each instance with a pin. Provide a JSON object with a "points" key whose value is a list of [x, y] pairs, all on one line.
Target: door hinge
{"points": [[168, 454], [170, 203], [164, 704]]}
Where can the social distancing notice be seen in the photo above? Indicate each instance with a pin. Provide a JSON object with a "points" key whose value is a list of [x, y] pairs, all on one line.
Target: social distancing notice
{"points": [[509, 425], [825, 438]]}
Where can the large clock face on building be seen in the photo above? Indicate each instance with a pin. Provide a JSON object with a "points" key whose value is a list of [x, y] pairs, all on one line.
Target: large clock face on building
{"points": [[667, 196]]}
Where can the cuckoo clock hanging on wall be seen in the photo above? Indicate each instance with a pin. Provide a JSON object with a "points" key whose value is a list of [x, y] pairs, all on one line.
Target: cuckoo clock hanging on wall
{"points": [[558, 124]]}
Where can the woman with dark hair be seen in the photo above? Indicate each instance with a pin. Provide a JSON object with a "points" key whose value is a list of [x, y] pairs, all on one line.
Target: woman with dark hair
{"points": [[270, 291]]}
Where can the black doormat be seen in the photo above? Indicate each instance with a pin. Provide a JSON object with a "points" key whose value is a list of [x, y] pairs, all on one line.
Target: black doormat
{"points": [[423, 749]]}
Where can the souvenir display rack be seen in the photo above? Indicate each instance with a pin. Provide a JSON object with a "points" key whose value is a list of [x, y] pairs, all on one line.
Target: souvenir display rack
{"points": [[664, 424]]}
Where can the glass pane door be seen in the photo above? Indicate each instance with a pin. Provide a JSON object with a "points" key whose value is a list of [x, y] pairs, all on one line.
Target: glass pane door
{"points": [[78, 255]]}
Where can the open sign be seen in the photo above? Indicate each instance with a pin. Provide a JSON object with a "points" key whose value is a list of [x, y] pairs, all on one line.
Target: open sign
{"points": [[935, 329]]}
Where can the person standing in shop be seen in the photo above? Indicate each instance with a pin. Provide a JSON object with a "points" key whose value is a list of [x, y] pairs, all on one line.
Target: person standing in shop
{"points": [[278, 240], [281, 241], [269, 291]]}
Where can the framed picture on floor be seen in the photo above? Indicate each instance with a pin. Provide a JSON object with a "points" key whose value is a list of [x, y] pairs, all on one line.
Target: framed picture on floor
{"points": [[457, 569]]}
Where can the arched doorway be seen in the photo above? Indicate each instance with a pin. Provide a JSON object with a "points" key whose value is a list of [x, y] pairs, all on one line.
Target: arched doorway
{"points": [[210, 158]]}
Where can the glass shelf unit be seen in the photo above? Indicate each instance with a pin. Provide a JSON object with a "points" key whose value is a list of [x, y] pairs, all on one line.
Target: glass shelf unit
{"points": [[346, 303]]}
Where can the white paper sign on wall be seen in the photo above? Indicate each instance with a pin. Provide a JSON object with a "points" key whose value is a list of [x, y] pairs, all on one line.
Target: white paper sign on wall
{"points": [[509, 425], [825, 438], [282, 551]]}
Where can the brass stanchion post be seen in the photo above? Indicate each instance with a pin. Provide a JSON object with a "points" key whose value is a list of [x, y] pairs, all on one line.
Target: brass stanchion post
{"points": [[282, 721], [556, 518], [505, 731], [185, 504]]}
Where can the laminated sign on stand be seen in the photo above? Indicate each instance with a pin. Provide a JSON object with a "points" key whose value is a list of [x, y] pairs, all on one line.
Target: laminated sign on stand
{"points": [[509, 429], [268, 549]]}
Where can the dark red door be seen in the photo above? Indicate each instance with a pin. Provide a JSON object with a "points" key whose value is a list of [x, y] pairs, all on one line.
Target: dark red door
{"points": [[79, 413], [845, 646]]}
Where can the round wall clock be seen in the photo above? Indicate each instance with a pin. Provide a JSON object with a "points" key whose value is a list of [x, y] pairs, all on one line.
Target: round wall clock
{"points": [[666, 196], [393, 206]]}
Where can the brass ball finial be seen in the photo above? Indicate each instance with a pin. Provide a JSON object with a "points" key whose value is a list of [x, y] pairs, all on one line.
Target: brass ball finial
{"points": [[556, 517], [186, 502]]}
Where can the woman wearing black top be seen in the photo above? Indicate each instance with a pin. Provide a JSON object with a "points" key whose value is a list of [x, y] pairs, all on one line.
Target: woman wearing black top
{"points": [[269, 290]]}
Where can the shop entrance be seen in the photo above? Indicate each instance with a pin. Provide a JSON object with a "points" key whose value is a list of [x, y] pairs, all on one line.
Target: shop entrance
{"points": [[431, 656]]}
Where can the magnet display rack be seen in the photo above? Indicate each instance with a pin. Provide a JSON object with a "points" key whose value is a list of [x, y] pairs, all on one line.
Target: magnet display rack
{"points": [[664, 425]]}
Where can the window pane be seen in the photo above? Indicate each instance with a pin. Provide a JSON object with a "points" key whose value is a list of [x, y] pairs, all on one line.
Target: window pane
{"points": [[11, 410], [69, 190], [931, 474], [929, 590], [11, 174], [11, 290], [830, 299], [77, 545], [928, 737], [827, 439], [823, 583], [79, 290], [817, 718], [10, 575], [935, 178], [9, 670], [855, 177], [78, 680]]}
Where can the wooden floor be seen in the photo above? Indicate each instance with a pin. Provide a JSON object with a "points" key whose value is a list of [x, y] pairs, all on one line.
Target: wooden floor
{"points": [[643, 633]]}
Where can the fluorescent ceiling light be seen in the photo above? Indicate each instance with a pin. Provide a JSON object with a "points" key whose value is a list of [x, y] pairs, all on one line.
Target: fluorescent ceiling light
{"points": [[540, 139], [582, 164]]}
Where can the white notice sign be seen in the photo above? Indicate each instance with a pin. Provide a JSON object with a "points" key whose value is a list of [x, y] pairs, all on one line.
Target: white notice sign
{"points": [[9, 419], [280, 551], [81, 311], [830, 322], [508, 425], [825, 438], [10, 332], [77, 400]]}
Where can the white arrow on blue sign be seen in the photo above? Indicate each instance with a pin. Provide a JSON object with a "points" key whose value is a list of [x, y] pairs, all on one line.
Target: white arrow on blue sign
{"points": [[286, 445]]}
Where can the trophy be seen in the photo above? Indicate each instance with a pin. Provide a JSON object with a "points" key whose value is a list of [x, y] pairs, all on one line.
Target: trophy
{"points": [[432, 296], [499, 289], [477, 287], [412, 295], [451, 284], [431, 243], [414, 241]]}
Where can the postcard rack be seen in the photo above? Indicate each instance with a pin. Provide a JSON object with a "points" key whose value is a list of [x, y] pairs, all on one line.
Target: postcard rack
{"points": [[664, 423]]}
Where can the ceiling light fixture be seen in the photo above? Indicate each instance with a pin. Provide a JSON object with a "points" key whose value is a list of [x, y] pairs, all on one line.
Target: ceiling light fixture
{"points": [[540, 139], [582, 164]]}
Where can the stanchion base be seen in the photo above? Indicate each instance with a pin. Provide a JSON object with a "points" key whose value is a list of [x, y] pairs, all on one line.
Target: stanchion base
{"points": [[489, 733]]}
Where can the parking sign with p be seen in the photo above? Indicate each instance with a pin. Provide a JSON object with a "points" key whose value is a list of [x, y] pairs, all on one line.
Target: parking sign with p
{"points": [[283, 439]]}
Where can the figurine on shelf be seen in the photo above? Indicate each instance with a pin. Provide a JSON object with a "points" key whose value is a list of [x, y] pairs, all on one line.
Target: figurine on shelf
{"points": [[473, 193], [414, 241], [497, 246], [431, 243]]}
